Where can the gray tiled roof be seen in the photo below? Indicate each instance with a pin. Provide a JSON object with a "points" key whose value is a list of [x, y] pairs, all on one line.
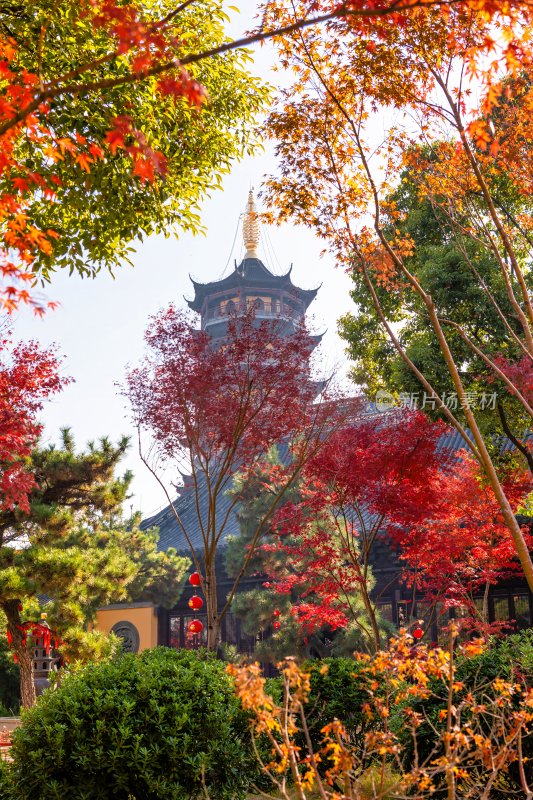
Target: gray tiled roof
{"points": [[170, 532], [171, 535]]}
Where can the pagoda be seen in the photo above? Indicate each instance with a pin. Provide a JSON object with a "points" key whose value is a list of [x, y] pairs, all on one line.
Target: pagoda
{"points": [[250, 284], [272, 296]]}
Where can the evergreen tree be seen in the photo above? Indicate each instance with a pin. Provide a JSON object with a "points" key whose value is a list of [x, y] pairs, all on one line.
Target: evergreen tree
{"points": [[9, 675], [257, 608], [74, 551], [457, 271], [271, 614]]}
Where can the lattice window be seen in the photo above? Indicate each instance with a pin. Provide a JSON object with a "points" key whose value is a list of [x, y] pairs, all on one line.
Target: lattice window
{"points": [[522, 613], [501, 608]]}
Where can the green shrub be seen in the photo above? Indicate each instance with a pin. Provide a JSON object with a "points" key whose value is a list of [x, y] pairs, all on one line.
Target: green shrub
{"points": [[4, 780], [337, 692], [156, 725]]}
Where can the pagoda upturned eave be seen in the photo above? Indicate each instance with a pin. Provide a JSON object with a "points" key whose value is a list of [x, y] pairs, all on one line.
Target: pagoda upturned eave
{"points": [[251, 273]]}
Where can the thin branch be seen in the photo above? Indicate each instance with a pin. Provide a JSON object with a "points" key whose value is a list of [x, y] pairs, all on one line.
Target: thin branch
{"points": [[425, 383], [497, 371], [509, 249], [171, 503], [526, 452], [40, 46], [193, 58]]}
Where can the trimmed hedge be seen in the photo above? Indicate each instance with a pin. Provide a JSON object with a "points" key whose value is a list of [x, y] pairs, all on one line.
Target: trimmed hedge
{"points": [[161, 724]]}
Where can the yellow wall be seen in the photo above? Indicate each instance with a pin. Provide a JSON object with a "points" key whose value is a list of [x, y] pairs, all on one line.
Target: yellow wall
{"points": [[142, 615]]}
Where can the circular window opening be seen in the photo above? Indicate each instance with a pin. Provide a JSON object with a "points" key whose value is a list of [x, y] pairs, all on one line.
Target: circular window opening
{"points": [[129, 634]]}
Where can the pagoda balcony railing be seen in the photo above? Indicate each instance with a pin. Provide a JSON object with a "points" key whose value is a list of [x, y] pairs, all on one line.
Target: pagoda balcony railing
{"points": [[263, 310]]}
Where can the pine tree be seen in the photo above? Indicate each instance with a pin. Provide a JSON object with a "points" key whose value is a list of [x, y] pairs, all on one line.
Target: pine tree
{"points": [[75, 551], [258, 608]]}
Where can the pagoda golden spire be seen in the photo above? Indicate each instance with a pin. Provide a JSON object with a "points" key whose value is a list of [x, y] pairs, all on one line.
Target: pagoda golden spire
{"points": [[250, 228]]}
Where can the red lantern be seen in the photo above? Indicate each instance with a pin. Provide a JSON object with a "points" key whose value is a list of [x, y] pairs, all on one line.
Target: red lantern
{"points": [[277, 612], [418, 633], [195, 602], [195, 626], [276, 625], [195, 579]]}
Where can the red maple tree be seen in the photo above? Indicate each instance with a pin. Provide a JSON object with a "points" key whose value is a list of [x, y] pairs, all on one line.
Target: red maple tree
{"points": [[463, 547], [370, 479], [28, 376], [216, 409], [519, 374], [392, 480]]}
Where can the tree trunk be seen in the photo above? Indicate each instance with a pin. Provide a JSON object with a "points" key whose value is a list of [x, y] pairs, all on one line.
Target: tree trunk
{"points": [[485, 611], [213, 634], [371, 611], [23, 653], [484, 459], [28, 696], [375, 626], [211, 607]]}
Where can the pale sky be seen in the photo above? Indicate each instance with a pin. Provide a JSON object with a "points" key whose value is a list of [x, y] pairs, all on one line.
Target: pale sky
{"points": [[100, 324]]}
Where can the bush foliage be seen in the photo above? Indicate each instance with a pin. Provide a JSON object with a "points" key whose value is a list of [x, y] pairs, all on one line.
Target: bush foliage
{"points": [[467, 732], [338, 690], [162, 724], [509, 658]]}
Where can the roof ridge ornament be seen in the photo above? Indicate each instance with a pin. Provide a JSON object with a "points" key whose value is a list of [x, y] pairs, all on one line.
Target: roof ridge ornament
{"points": [[250, 228]]}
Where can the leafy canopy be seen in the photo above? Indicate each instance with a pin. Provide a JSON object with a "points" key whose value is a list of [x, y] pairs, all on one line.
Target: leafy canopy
{"points": [[450, 264], [105, 137], [216, 408], [29, 375], [73, 546], [437, 78]]}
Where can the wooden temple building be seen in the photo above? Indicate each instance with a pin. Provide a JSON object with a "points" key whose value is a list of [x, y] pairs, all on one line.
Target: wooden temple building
{"points": [[142, 625]]}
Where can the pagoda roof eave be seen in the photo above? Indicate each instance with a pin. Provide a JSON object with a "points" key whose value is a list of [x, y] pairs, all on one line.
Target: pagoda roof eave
{"points": [[251, 273], [307, 295], [193, 304], [316, 338]]}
